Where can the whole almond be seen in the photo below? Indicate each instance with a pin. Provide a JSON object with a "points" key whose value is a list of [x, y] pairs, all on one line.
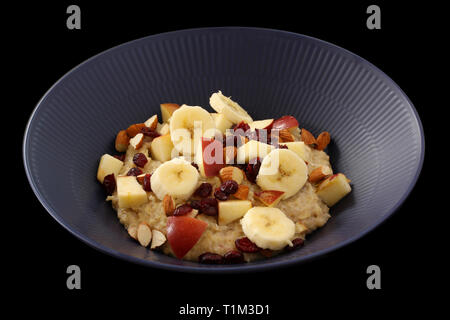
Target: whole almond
{"points": [[323, 140], [122, 141], [308, 138], [168, 205], [242, 192], [286, 136], [134, 129]]}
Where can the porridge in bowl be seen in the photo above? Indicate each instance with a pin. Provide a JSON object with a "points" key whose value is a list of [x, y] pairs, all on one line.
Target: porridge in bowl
{"points": [[220, 187]]}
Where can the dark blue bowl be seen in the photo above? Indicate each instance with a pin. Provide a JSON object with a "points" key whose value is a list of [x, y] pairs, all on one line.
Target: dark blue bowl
{"points": [[377, 137]]}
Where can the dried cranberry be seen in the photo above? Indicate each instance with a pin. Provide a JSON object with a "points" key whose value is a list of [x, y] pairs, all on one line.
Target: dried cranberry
{"points": [[146, 131], [229, 187], [146, 184], [196, 204], [204, 190], [194, 165], [109, 183], [182, 210], [220, 195], [211, 258], [233, 256], [242, 125], [252, 169], [134, 172], [297, 242], [120, 157], [245, 245], [140, 159], [210, 211], [209, 206]]}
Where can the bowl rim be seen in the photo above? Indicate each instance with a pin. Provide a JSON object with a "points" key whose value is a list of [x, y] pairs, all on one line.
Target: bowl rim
{"points": [[247, 267]]}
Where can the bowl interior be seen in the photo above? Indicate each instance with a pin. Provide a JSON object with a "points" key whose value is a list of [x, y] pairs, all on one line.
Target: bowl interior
{"points": [[377, 138]]}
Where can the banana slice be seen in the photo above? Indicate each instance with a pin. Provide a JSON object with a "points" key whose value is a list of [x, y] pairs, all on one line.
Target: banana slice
{"points": [[187, 126], [230, 109], [268, 228], [177, 178], [282, 170]]}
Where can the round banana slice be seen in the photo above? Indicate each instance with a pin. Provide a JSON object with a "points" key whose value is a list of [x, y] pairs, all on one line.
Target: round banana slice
{"points": [[230, 109], [282, 170], [177, 178], [188, 125], [268, 228]]}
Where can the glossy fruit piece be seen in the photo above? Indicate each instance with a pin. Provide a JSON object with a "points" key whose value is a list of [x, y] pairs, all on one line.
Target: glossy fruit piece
{"points": [[211, 160], [183, 233], [285, 122]]}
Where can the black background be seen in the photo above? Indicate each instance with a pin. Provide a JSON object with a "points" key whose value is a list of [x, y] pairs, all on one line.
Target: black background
{"points": [[44, 49]]}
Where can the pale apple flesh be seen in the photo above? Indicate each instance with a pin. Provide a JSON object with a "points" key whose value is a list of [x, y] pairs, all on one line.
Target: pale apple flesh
{"points": [[130, 192], [161, 148], [232, 210], [333, 189], [108, 165]]}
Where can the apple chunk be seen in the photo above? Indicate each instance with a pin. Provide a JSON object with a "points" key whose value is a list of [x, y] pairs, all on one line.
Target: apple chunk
{"points": [[269, 197], [130, 192], [333, 189], [183, 232], [285, 122], [209, 157], [232, 210], [167, 109], [161, 148], [108, 165], [261, 124]]}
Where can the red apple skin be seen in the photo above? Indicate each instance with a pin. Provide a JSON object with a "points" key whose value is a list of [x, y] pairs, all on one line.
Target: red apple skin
{"points": [[285, 122], [269, 197], [212, 162], [183, 233]]}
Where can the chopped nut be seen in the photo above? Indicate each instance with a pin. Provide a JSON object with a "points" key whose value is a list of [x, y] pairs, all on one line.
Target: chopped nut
{"points": [[122, 141], [242, 192], [152, 122], [134, 129], [319, 174], [132, 231], [158, 239], [137, 141], [168, 205], [231, 173], [144, 234], [323, 140]]}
